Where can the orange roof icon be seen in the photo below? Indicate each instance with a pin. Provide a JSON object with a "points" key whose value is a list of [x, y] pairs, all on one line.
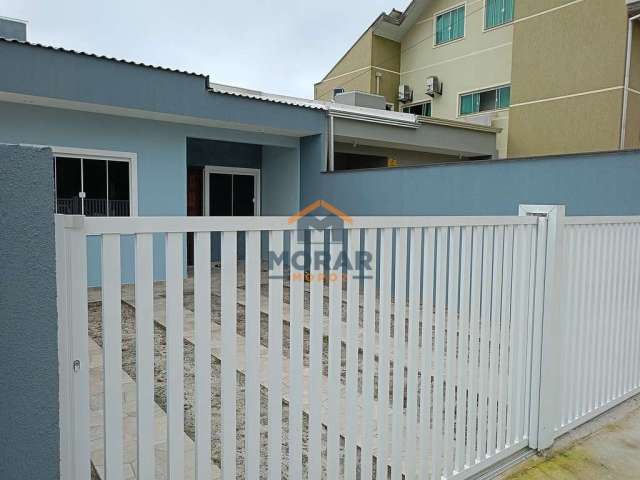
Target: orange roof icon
{"points": [[320, 204]]}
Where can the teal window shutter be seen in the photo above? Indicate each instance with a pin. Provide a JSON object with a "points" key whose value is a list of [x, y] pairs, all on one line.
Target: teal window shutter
{"points": [[498, 12], [427, 109], [466, 104], [508, 10], [461, 12], [504, 97], [450, 25], [440, 29]]}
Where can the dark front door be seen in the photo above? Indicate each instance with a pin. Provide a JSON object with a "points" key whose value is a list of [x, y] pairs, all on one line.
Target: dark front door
{"points": [[231, 195], [194, 204]]}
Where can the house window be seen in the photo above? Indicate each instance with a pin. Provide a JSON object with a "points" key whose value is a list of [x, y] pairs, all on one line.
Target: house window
{"points": [[92, 186], [450, 25], [498, 12], [485, 100], [422, 109]]}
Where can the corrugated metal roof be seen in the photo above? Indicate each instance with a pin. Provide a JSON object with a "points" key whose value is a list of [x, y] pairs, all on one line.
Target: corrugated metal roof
{"points": [[102, 57], [267, 97], [332, 107]]}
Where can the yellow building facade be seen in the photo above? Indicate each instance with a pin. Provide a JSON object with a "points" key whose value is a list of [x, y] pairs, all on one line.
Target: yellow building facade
{"points": [[554, 75]]}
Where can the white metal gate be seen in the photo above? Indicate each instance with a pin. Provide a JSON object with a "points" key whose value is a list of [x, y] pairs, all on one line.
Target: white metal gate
{"points": [[247, 372]]}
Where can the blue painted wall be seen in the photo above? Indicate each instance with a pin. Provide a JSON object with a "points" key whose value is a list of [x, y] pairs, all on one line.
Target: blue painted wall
{"points": [[29, 432], [593, 184], [280, 178], [161, 148], [222, 154]]}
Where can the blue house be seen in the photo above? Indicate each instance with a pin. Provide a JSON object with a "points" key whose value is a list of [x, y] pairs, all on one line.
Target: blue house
{"points": [[135, 139]]}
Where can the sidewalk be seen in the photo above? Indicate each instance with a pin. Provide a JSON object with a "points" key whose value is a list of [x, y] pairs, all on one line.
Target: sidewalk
{"points": [[609, 453]]}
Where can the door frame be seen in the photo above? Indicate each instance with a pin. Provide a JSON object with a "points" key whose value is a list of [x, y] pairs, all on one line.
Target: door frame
{"points": [[254, 172]]}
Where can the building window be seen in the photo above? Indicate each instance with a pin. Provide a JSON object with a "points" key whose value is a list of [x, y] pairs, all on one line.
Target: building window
{"points": [[485, 100], [93, 187], [450, 25], [422, 109], [498, 12]]}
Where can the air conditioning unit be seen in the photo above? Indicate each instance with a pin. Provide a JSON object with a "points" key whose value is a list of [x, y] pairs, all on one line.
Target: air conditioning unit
{"points": [[405, 94], [434, 86], [337, 91]]}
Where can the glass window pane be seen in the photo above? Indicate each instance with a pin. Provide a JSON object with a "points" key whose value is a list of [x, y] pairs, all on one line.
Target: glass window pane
{"points": [[243, 195], [488, 101], [427, 109], [466, 104], [499, 12], [68, 186], [460, 30], [508, 10], [118, 175], [440, 29], [94, 175], [220, 195], [504, 97]]}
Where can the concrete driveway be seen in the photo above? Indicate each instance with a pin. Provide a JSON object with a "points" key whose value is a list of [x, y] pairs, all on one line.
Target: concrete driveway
{"points": [[612, 452]]}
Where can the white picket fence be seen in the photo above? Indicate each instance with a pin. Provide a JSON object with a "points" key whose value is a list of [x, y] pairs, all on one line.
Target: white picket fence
{"points": [[498, 315], [601, 354]]}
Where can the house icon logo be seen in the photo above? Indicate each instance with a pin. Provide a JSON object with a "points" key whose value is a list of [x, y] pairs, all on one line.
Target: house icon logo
{"points": [[334, 220]]}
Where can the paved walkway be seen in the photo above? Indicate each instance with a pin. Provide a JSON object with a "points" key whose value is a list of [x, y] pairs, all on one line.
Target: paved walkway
{"points": [[610, 453]]}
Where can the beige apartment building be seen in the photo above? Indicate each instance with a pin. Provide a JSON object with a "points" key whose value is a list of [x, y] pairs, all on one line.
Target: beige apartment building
{"points": [[555, 76]]}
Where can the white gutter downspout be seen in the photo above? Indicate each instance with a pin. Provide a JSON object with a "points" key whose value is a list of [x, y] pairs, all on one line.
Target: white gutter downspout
{"points": [[627, 74], [330, 163]]}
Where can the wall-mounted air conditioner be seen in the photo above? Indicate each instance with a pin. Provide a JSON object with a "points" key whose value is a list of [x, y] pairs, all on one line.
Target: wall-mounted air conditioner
{"points": [[434, 86], [405, 94]]}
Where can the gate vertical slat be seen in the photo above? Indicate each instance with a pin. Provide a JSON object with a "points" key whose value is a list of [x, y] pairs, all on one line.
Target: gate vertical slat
{"points": [[584, 316], [588, 312], [399, 337], [352, 349], [606, 318], [334, 367], [296, 358], [621, 351], [314, 452], [112, 356], [228, 305], [144, 355], [485, 316], [453, 290], [368, 350], [593, 308], [76, 242], [439, 367], [635, 312], [575, 323], [514, 336], [463, 399], [202, 331], [252, 354], [505, 327], [386, 250], [426, 360], [624, 351], [412, 362], [175, 348], [274, 359], [494, 355], [474, 345], [615, 317], [634, 318]]}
